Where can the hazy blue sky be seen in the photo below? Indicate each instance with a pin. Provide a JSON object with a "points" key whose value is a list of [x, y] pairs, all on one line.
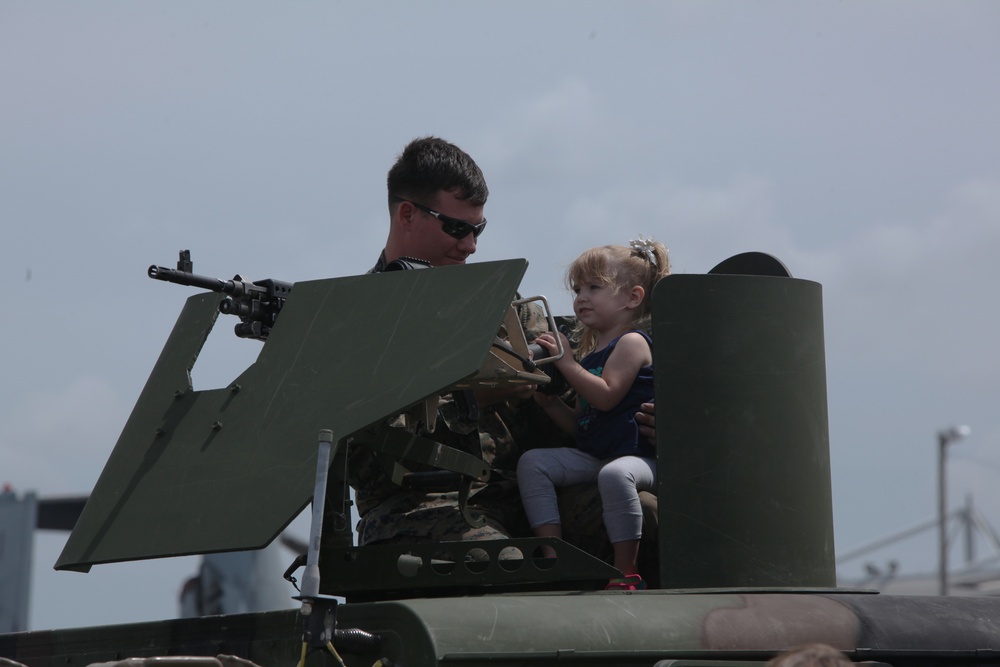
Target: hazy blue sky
{"points": [[856, 141]]}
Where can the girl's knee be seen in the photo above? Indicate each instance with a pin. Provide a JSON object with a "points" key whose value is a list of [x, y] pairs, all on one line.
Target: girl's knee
{"points": [[534, 469], [530, 461], [616, 476]]}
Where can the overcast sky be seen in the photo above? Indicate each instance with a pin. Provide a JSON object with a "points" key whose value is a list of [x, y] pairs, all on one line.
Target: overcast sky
{"points": [[858, 142]]}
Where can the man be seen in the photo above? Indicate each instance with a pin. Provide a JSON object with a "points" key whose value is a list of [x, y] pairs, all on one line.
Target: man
{"points": [[436, 196], [436, 199]]}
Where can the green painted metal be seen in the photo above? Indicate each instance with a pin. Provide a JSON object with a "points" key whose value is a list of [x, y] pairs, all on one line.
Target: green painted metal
{"points": [[743, 444], [227, 469], [607, 628], [272, 638], [425, 569], [587, 628]]}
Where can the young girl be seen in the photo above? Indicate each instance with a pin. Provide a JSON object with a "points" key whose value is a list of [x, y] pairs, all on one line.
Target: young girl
{"points": [[614, 377]]}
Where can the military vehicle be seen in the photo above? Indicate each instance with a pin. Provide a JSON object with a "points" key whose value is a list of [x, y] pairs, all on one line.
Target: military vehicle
{"points": [[746, 548]]}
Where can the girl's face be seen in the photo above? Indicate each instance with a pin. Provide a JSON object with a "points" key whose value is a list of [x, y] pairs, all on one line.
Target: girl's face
{"points": [[600, 307]]}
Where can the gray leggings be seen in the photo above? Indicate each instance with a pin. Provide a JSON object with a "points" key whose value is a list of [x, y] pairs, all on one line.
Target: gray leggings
{"points": [[541, 471]]}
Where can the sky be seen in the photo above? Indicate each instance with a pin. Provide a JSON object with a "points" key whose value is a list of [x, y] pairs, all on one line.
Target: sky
{"points": [[857, 142]]}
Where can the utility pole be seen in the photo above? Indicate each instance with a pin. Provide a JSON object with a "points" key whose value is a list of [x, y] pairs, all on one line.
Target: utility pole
{"points": [[945, 438]]}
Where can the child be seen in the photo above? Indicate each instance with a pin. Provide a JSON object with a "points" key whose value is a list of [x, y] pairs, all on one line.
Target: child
{"points": [[614, 377]]}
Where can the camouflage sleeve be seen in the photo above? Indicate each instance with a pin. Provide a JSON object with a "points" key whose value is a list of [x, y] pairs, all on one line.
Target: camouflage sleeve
{"points": [[533, 320]]}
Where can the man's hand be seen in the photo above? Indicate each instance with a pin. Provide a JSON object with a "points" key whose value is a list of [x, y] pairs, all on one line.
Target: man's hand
{"points": [[546, 400], [647, 422], [512, 392]]}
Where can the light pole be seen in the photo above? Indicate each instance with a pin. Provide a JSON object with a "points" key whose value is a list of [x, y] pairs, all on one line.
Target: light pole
{"points": [[945, 438]]}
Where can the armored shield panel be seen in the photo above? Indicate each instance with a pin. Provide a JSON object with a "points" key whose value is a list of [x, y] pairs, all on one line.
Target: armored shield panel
{"points": [[227, 469], [743, 445]]}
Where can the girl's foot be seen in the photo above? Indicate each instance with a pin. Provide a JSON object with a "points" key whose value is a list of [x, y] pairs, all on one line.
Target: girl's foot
{"points": [[633, 582]]}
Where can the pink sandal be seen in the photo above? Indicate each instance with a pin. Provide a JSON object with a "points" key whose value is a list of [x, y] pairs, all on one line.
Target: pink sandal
{"points": [[633, 582]]}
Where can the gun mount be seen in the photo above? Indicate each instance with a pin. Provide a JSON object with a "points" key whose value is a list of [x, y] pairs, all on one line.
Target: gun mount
{"points": [[256, 303]]}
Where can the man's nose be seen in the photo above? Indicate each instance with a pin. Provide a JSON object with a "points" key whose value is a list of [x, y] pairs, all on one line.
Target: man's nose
{"points": [[468, 244]]}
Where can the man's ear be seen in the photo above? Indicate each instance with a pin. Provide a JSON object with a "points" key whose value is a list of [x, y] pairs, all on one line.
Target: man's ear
{"points": [[404, 214]]}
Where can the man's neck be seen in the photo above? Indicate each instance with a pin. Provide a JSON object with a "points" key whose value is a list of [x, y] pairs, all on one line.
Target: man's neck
{"points": [[398, 263]]}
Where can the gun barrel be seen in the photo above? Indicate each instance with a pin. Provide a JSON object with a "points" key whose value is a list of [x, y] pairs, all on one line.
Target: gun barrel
{"points": [[191, 279]]}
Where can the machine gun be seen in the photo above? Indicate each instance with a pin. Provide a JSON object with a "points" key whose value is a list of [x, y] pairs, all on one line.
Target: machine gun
{"points": [[256, 303]]}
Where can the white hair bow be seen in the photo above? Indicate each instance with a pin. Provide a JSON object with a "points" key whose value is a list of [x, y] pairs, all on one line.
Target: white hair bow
{"points": [[645, 246]]}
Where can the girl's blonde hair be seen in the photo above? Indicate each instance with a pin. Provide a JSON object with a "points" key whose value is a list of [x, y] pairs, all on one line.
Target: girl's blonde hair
{"points": [[642, 263]]}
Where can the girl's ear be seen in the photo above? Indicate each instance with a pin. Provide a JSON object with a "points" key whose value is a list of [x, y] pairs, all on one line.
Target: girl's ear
{"points": [[635, 296]]}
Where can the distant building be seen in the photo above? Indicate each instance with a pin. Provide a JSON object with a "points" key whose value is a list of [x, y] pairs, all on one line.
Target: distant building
{"points": [[18, 517]]}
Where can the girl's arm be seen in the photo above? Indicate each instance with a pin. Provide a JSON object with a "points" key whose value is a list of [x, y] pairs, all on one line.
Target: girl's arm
{"points": [[607, 390], [563, 415]]}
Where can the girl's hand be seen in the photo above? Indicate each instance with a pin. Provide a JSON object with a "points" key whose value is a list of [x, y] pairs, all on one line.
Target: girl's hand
{"points": [[548, 341]]}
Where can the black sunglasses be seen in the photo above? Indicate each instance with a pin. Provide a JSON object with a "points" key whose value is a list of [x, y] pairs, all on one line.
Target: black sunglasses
{"points": [[453, 227]]}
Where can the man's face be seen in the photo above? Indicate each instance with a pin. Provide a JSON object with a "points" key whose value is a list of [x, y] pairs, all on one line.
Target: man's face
{"points": [[425, 238]]}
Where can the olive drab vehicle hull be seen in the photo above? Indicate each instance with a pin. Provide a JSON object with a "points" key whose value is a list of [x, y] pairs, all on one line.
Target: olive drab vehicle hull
{"points": [[709, 628], [746, 555]]}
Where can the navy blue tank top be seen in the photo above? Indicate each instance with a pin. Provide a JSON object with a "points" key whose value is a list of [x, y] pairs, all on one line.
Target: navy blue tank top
{"points": [[608, 434]]}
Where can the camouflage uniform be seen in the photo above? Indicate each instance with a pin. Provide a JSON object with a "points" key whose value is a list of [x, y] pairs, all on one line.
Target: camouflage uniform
{"points": [[390, 514]]}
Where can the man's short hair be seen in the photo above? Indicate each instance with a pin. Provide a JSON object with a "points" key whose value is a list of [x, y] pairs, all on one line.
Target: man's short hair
{"points": [[428, 165], [811, 655]]}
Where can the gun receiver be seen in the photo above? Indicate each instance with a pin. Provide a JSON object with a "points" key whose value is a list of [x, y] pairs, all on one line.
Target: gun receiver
{"points": [[256, 303]]}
